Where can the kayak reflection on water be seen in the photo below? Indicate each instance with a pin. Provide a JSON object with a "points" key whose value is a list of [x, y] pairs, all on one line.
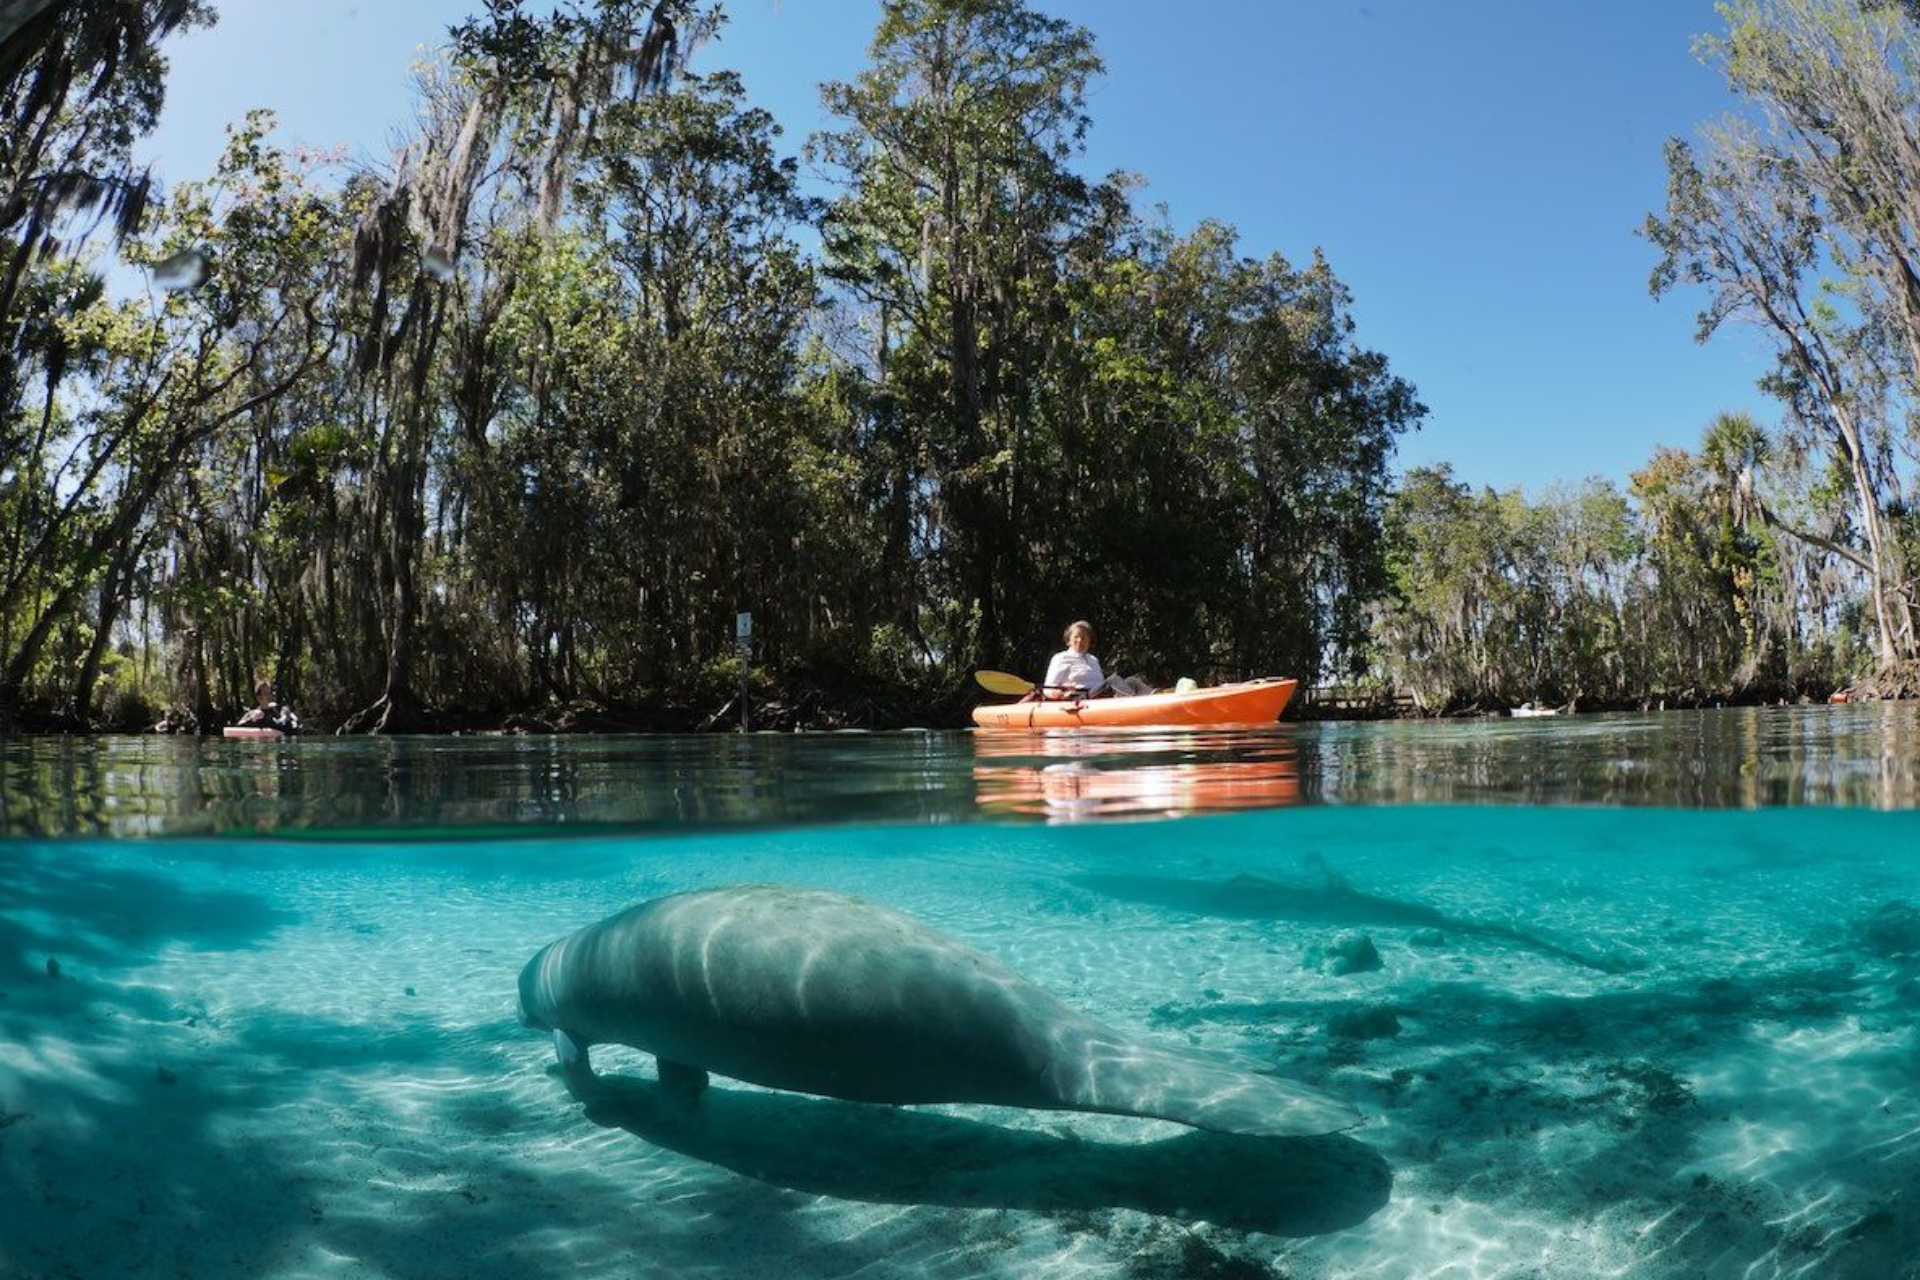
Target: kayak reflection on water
{"points": [[1088, 775]]}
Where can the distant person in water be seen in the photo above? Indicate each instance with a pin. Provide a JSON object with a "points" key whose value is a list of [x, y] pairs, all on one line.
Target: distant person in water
{"points": [[1074, 668], [268, 714]]}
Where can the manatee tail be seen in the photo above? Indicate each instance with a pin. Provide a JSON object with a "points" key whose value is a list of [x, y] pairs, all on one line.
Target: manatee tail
{"points": [[1125, 1077]]}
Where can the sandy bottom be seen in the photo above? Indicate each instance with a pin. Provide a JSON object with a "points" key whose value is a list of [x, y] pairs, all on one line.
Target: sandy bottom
{"points": [[1597, 1043]]}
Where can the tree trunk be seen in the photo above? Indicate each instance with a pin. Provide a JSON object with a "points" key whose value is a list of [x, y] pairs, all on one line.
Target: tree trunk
{"points": [[206, 717], [116, 534], [1891, 613], [113, 596], [398, 708]]}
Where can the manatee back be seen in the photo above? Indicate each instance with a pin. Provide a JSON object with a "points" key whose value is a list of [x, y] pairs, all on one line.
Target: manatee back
{"points": [[813, 991]]}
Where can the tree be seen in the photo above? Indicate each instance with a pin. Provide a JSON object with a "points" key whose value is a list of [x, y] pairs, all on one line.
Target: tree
{"points": [[517, 424], [1746, 226], [172, 380], [958, 192], [652, 453], [79, 82], [1831, 186], [530, 90]]}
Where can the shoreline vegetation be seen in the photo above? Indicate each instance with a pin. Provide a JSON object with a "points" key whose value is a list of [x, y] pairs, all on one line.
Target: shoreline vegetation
{"points": [[501, 435], [814, 708]]}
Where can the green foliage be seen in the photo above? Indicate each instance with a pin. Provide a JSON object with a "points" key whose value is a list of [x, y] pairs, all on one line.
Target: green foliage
{"points": [[523, 424], [1072, 411], [1804, 224], [1685, 590]]}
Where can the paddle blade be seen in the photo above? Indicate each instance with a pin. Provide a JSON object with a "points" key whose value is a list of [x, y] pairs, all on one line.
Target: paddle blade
{"points": [[1003, 682]]}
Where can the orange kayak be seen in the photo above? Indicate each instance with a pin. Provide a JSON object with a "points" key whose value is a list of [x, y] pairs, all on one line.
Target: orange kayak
{"points": [[1257, 702]]}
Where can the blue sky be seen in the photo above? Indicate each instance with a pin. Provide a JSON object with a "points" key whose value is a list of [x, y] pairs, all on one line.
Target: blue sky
{"points": [[1474, 170]]}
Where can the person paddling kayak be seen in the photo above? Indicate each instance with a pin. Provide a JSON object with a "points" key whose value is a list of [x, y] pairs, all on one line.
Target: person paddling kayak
{"points": [[268, 714], [1076, 669]]}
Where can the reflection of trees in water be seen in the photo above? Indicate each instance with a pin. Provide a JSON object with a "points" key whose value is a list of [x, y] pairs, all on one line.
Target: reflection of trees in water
{"points": [[1866, 754], [80, 786], [143, 786], [1745, 757]]}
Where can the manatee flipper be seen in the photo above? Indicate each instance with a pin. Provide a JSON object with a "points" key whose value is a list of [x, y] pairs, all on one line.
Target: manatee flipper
{"points": [[1123, 1077], [681, 1082], [571, 1053]]}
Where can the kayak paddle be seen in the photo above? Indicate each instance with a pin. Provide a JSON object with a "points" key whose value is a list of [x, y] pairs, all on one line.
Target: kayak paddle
{"points": [[1008, 683], [1003, 682]]}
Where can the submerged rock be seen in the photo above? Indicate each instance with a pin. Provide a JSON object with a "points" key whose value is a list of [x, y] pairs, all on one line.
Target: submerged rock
{"points": [[1348, 953], [1892, 931], [1368, 1022], [1192, 1257], [53, 967], [1638, 1089], [1427, 938]]}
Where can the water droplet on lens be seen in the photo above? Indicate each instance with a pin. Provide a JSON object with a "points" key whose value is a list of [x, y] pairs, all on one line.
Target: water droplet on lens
{"points": [[179, 272]]}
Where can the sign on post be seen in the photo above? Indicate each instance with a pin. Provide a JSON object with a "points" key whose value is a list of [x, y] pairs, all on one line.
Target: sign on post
{"points": [[743, 642]]}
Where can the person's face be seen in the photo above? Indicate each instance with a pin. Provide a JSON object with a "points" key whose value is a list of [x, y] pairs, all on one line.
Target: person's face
{"points": [[1079, 639]]}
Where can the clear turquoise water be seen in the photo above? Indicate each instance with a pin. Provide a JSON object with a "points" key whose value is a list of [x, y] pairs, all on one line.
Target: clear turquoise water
{"points": [[1646, 1003]]}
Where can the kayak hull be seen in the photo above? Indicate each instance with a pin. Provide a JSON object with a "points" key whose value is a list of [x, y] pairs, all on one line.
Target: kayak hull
{"points": [[252, 732], [1253, 704]]}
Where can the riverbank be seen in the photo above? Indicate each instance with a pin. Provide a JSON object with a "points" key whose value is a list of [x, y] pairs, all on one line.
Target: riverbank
{"points": [[787, 704], [817, 711], [835, 701]]}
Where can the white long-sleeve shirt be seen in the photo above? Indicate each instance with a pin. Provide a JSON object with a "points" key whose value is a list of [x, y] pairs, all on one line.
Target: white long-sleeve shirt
{"points": [[1079, 670]]}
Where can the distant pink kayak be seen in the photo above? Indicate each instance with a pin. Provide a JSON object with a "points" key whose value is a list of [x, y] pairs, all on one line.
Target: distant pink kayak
{"points": [[254, 732], [1257, 702]]}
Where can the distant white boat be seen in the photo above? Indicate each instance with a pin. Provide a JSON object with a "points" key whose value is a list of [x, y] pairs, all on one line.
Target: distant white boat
{"points": [[1527, 709]]}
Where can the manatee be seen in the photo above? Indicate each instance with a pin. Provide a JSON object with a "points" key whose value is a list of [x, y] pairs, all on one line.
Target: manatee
{"points": [[825, 994]]}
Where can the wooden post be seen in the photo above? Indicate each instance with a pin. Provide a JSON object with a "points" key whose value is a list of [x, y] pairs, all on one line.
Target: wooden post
{"points": [[743, 644]]}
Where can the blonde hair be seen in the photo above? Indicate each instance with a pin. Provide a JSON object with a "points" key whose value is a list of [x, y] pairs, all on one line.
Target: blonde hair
{"points": [[1078, 625]]}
